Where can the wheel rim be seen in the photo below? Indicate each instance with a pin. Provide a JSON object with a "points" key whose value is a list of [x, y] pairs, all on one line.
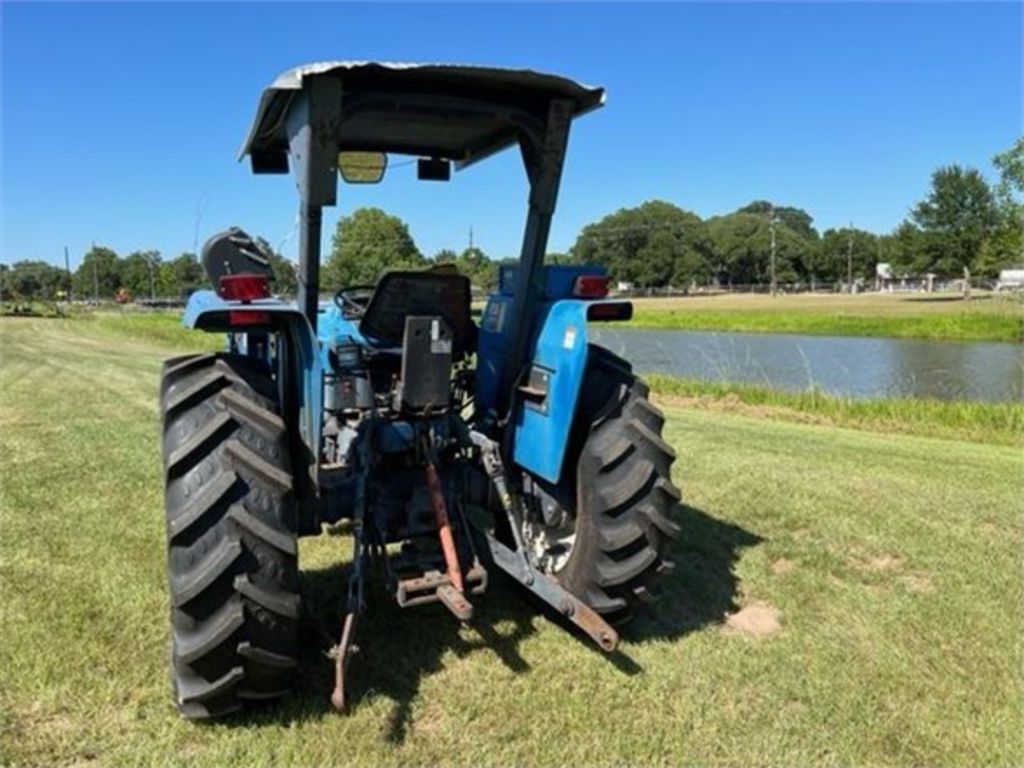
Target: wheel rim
{"points": [[550, 546]]}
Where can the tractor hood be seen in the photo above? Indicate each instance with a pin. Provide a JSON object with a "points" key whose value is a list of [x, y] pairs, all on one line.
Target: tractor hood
{"points": [[458, 113]]}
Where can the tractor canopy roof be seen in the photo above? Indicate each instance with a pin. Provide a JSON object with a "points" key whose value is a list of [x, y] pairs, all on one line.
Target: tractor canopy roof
{"points": [[458, 113]]}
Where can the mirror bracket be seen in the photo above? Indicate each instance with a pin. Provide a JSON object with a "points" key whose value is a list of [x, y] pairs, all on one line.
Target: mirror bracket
{"points": [[433, 169]]}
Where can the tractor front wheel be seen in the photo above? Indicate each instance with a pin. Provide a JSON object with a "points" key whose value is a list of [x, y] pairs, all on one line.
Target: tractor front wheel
{"points": [[231, 545]]}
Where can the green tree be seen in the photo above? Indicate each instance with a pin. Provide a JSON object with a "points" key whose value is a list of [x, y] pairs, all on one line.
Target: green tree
{"points": [[99, 274], [559, 258], [367, 244], [445, 256], [905, 251], [181, 276], [653, 245], [956, 218], [1010, 165], [1005, 246], [34, 280], [741, 243], [862, 248], [478, 267], [1004, 249], [139, 271], [797, 219], [285, 281]]}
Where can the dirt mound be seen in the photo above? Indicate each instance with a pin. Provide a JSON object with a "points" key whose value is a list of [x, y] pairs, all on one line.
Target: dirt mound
{"points": [[782, 565], [757, 620]]}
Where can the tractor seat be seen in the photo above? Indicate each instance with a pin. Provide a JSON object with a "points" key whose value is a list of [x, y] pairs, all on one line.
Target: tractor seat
{"points": [[431, 292]]}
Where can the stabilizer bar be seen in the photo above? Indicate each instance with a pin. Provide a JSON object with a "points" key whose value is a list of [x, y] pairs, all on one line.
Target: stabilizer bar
{"points": [[516, 562], [552, 593]]}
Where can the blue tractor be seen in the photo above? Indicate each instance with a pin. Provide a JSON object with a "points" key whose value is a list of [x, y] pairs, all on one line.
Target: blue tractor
{"points": [[451, 448]]}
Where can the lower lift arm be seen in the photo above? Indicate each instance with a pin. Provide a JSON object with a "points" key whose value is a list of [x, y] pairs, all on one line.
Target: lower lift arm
{"points": [[516, 563]]}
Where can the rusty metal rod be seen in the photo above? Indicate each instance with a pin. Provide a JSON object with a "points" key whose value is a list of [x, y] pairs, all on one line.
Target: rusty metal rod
{"points": [[338, 698], [444, 526]]}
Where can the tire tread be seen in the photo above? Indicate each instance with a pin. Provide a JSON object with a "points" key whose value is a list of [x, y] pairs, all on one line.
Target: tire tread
{"points": [[232, 555]]}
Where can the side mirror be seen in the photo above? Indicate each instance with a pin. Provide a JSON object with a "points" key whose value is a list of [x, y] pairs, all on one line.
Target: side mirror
{"points": [[362, 167]]}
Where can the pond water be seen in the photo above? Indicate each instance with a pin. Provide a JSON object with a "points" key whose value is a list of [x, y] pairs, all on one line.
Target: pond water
{"points": [[850, 366]]}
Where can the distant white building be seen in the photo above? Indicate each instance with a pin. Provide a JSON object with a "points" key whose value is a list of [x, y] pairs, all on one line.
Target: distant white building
{"points": [[886, 280], [1011, 280]]}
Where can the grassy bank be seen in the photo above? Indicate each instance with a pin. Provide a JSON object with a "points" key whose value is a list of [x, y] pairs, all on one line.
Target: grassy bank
{"points": [[840, 597], [998, 423], [989, 317]]}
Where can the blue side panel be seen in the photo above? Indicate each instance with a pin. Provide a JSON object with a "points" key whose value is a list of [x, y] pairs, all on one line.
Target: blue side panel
{"points": [[559, 279], [542, 434], [331, 325], [208, 311], [491, 346]]}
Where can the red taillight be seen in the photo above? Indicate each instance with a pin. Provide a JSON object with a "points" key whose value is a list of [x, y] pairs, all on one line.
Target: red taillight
{"points": [[248, 317], [244, 287], [591, 287], [613, 310]]}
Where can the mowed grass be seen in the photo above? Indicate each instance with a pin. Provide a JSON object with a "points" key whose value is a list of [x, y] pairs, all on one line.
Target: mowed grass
{"points": [[891, 562], [986, 317]]}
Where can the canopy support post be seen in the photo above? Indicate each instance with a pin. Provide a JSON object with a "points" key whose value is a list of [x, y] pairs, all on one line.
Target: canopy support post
{"points": [[543, 158], [312, 129]]}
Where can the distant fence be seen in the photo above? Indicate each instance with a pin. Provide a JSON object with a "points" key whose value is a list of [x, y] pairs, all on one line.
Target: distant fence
{"points": [[888, 286]]}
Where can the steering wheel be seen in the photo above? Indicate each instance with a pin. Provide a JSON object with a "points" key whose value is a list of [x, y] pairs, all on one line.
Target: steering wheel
{"points": [[353, 299]]}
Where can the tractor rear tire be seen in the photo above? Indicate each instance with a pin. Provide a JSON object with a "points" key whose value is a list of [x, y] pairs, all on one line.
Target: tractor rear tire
{"points": [[232, 560], [625, 498]]}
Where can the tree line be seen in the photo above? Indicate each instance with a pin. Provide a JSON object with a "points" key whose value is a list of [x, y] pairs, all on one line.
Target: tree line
{"points": [[103, 274], [963, 227]]}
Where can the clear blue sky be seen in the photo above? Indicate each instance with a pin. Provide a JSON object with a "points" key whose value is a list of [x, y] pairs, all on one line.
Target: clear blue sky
{"points": [[121, 122]]}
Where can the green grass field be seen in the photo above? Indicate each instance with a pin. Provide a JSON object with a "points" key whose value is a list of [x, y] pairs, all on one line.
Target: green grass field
{"points": [[986, 317], [842, 596]]}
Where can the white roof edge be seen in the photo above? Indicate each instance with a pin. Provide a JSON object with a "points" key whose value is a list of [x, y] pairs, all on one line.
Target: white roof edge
{"points": [[291, 80]]}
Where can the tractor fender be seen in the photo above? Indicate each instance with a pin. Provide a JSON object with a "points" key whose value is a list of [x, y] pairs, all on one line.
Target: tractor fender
{"points": [[298, 358], [551, 388]]}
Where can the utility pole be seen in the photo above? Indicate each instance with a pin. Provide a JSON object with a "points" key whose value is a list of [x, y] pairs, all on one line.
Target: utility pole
{"points": [[771, 228], [849, 258], [471, 237], [152, 288], [67, 271]]}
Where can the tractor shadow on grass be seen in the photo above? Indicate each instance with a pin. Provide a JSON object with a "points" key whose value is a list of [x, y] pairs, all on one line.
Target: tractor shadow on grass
{"points": [[703, 586], [399, 648], [395, 648]]}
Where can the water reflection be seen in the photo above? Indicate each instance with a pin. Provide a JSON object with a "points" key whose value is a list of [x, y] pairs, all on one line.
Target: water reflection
{"points": [[858, 367]]}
